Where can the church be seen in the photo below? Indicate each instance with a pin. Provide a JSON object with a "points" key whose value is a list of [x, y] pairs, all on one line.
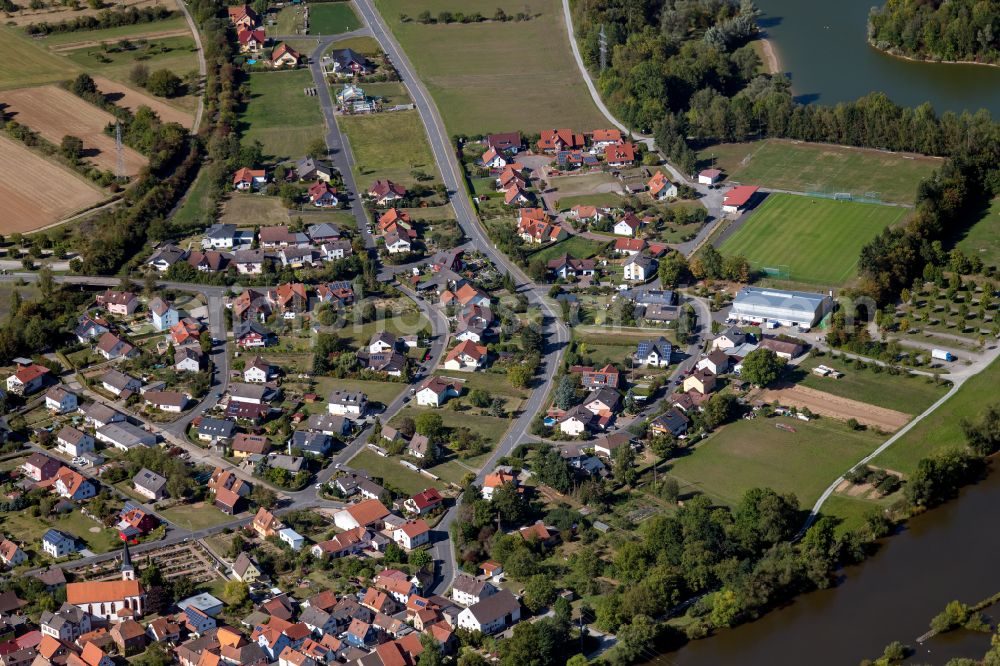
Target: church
{"points": [[113, 600]]}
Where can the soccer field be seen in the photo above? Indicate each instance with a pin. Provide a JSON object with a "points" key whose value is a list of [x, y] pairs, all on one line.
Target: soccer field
{"points": [[818, 240]]}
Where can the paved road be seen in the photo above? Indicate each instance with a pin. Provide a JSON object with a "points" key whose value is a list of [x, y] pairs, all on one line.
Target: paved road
{"points": [[336, 143], [555, 333], [202, 69]]}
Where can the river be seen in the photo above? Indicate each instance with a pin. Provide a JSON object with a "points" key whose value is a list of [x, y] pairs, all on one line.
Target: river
{"points": [[948, 553], [822, 46]]}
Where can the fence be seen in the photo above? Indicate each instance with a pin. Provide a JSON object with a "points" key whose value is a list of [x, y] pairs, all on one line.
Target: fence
{"points": [[867, 197]]}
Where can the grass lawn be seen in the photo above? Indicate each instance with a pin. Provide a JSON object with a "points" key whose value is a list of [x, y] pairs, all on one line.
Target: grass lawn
{"points": [[195, 516], [28, 292], [279, 114], [408, 322], [575, 246], [364, 45], [814, 167], [241, 208], [752, 454], [581, 183], [135, 31], [904, 393], [393, 92], [332, 18], [852, 511], [383, 392], [605, 199], [817, 239], [26, 63], [983, 238], [489, 427], [392, 473], [460, 64], [388, 145], [178, 54], [28, 529], [289, 21], [431, 213], [197, 206], [495, 383], [942, 429]]}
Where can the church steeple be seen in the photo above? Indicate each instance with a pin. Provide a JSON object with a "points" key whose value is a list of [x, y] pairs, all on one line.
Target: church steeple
{"points": [[128, 571]]}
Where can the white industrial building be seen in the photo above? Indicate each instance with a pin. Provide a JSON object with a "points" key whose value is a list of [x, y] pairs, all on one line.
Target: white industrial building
{"points": [[788, 308]]}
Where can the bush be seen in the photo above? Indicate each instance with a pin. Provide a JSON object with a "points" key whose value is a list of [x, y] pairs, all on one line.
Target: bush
{"points": [[164, 83]]}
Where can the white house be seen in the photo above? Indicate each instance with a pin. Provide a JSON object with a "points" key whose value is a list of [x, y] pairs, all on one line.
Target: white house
{"points": [[187, 359], [628, 225], [56, 544], [435, 391], [576, 421], [11, 554], [116, 382], [491, 615], [73, 442], [466, 356], [382, 341], [294, 540], [60, 400], [257, 371], [469, 591], [654, 353], [717, 362], [163, 314], [396, 243], [351, 404], [411, 534], [639, 268], [125, 436]]}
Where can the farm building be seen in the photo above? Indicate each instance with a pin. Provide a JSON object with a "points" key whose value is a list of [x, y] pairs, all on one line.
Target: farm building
{"points": [[737, 199], [788, 308]]}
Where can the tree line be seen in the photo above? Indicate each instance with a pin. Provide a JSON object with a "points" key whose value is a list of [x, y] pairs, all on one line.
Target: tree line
{"points": [[108, 18], [964, 30]]}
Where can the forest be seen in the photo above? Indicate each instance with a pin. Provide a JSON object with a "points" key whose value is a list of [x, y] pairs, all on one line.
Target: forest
{"points": [[957, 30]]}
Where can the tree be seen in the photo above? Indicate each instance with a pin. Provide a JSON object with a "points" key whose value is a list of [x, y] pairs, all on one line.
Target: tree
{"points": [[532, 340], [205, 342], [509, 504], [539, 592], [430, 425], [263, 496], [623, 465], [46, 282], [83, 85], [431, 654], [71, 147], [519, 375], [479, 398], [139, 74], [719, 409], [236, 593], [164, 83], [761, 367], [317, 149], [634, 638], [673, 269], [565, 393], [421, 559]]}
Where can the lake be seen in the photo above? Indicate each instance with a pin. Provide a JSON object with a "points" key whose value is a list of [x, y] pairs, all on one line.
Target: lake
{"points": [[822, 46]]}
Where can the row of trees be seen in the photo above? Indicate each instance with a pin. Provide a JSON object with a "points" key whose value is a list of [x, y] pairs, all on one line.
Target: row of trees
{"points": [[108, 18], [967, 30]]}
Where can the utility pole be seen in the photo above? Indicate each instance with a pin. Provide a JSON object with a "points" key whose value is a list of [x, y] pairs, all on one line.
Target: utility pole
{"points": [[119, 153]]}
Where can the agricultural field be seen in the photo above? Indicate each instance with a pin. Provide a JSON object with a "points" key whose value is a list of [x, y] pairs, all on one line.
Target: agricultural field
{"points": [[983, 238], [54, 113], [905, 393], [264, 211], [814, 167], [280, 115], [756, 454], [27, 65], [942, 428], [389, 145], [53, 12], [460, 65], [332, 18], [30, 200], [131, 99], [171, 27], [819, 240]]}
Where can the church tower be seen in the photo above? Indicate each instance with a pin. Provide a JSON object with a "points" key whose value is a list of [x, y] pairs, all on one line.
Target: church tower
{"points": [[128, 571]]}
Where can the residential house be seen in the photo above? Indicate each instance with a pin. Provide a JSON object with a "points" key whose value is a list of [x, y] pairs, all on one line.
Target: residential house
{"points": [[577, 421], [248, 445], [538, 532], [247, 179], [251, 40], [620, 155], [534, 226], [629, 246], [350, 542], [60, 400], [246, 570], [673, 422], [412, 534], [386, 192], [129, 636], [27, 379], [119, 384], [492, 614], [420, 447], [72, 485], [717, 362], [640, 267], [606, 445], [66, 624], [352, 404], [265, 524], [242, 16], [58, 544], [702, 381], [660, 188], [166, 256], [348, 62], [73, 442], [11, 554], [284, 55], [99, 415], [134, 521], [340, 293], [249, 262], [496, 480], [310, 169], [507, 142], [312, 443], [166, 401], [39, 467], [368, 513], [654, 353], [566, 266], [221, 236], [335, 426], [435, 391], [424, 501], [494, 159], [555, 140], [395, 243], [729, 338], [627, 226], [592, 379], [258, 371], [112, 347], [125, 436], [250, 334], [321, 195], [466, 356], [89, 328], [229, 490], [118, 303], [294, 540], [602, 138], [216, 431], [188, 359]]}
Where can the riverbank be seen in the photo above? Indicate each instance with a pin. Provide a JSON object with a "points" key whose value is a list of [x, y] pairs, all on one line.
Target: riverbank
{"points": [[928, 61], [768, 54]]}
